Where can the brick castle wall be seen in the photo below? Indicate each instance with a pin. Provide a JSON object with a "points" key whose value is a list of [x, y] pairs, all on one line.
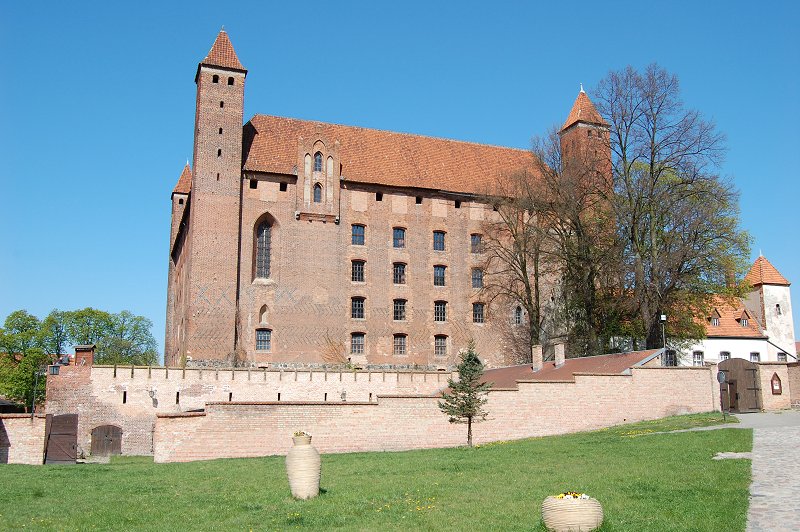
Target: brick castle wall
{"points": [[22, 439], [793, 371], [413, 422]]}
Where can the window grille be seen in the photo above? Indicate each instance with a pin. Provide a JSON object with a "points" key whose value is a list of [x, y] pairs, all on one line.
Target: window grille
{"points": [[399, 311], [744, 322], [399, 344], [357, 344], [357, 308], [358, 235], [438, 275], [438, 240], [440, 311], [697, 358], [399, 237], [263, 243], [670, 358], [476, 244], [357, 271], [263, 340], [477, 313], [399, 273], [440, 346], [477, 278]]}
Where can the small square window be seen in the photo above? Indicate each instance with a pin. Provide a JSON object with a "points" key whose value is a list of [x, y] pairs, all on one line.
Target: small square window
{"points": [[478, 313], [283, 187], [438, 275], [379, 196], [253, 183], [438, 240], [357, 344], [399, 237], [263, 340], [440, 311], [399, 310], [399, 345], [358, 235], [781, 357], [357, 308], [399, 273], [457, 204], [724, 355], [357, 271], [755, 357]]}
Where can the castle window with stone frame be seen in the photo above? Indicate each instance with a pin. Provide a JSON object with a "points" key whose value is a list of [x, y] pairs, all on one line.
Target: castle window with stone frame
{"points": [[358, 235], [357, 343], [357, 308], [478, 315], [440, 311], [317, 193], [318, 162], [440, 345], [399, 310], [263, 244], [357, 271], [399, 273], [263, 340], [439, 275], [398, 237], [399, 347], [477, 278], [438, 240]]}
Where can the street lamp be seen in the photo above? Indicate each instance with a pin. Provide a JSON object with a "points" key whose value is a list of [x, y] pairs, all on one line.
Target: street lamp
{"points": [[663, 334]]}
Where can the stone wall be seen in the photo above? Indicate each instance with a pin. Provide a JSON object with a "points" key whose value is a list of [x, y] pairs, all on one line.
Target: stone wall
{"points": [[22, 439], [394, 423]]}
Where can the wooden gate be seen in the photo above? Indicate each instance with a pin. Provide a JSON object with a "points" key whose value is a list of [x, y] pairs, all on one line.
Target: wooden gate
{"points": [[742, 391], [61, 439], [106, 440]]}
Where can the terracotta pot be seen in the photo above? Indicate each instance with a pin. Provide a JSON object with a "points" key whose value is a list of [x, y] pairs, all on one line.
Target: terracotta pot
{"points": [[571, 515], [303, 468]]}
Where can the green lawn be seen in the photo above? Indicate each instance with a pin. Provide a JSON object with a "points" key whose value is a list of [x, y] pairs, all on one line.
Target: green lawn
{"points": [[645, 481]]}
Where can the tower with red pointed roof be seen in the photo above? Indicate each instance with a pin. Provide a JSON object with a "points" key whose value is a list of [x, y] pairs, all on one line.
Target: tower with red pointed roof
{"points": [[585, 141], [771, 302]]}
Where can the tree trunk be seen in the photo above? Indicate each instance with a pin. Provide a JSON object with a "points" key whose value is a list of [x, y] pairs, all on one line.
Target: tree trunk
{"points": [[469, 431]]}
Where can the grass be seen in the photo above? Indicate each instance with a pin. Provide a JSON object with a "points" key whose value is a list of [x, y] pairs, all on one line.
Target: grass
{"points": [[645, 481]]}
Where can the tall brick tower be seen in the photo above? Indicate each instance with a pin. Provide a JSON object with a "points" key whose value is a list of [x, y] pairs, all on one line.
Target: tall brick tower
{"points": [[211, 298], [585, 141]]}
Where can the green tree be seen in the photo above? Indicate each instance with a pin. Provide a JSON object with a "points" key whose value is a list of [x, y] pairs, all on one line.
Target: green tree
{"points": [[18, 376], [53, 334], [20, 333], [465, 398], [128, 341]]}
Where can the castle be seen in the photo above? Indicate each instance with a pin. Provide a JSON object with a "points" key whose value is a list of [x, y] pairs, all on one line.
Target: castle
{"points": [[296, 242]]}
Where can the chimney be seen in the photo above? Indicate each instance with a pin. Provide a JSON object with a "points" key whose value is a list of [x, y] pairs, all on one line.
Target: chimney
{"points": [[559, 354], [84, 355], [537, 360]]}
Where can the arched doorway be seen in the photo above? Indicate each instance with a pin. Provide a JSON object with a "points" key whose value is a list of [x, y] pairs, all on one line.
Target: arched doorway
{"points": [[741, 391], [106, 440]]}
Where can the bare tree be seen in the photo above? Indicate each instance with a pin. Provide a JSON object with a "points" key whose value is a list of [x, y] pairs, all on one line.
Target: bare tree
{"points": [[677, 219]]}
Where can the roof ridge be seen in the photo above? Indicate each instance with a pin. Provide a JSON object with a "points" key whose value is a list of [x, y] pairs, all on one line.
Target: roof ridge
{"points": [[390, 132]]}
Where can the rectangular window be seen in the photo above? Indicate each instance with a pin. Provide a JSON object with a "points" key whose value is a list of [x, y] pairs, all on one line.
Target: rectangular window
{"points": [[755, 357], [477, 278], [438, 240], [440, 311], [399, 313], [399, 345], [724, 355], [697, 358], [744, 322], [263, 340], [781, 357], [399, 273], [715, 322], [476, 244], [477, 313], [357, 271], [357, 308], [357, 344], [670, 358], [399, 237], [438, 275], [440, 346], [358, 235]]}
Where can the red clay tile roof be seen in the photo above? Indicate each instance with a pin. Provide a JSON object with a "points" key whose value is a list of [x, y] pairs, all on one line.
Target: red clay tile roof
{"points": [[616, 363], [731, 310], [762, 272], [583, 110], [222, 54], [184, 184], [384, 157]]}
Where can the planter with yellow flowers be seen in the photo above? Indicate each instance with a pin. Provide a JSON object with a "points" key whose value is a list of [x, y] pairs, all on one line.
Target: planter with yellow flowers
{"points": [[571, 512]]}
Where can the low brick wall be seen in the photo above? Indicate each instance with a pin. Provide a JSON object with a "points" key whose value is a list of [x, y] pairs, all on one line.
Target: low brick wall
{"points": [[21, 439], [394, 423], [770, 401], [793, 371]]}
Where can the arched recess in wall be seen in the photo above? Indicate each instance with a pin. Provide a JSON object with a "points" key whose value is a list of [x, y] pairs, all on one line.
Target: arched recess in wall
{"points": [[264, 232], [262, 315], [317, 193]]}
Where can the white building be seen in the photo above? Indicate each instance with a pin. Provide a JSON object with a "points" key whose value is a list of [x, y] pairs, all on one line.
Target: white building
{"points": [[758, 327]]}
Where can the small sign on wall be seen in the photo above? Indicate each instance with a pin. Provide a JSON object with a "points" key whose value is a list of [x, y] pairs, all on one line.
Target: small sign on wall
{"points": [[776, 386]]}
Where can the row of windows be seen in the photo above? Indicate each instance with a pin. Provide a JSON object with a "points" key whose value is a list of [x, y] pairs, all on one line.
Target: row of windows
{"points": [[399, 238], [358, 274], [358, 304], [698, 357], [399, 344], [215, 79]]}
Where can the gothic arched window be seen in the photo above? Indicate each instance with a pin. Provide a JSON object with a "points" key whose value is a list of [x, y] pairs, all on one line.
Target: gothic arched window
{"points": [[263, 244], [318, 162], [317, 193]]}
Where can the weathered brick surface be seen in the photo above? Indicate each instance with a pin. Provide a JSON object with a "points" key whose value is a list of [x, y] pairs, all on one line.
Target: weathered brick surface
{"points": [[96, 394], [397, 423], [21, 439], [771, 401], [793, 370]]}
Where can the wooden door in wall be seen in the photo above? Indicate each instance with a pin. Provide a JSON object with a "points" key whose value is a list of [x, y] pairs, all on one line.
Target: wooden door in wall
{"points": [[61, 439], [106, 440], [743, 383], [734, 397]]}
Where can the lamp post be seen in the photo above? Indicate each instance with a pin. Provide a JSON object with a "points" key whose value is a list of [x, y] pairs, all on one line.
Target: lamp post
{"points": [[663, 334], [40, 372]]}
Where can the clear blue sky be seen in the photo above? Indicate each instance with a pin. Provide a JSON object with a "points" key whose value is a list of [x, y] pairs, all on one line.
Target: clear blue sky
{"points": [[97, 108]]}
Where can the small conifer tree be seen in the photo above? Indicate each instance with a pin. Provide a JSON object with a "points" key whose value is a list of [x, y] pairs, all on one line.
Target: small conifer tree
{"points": [[464, 399]]}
